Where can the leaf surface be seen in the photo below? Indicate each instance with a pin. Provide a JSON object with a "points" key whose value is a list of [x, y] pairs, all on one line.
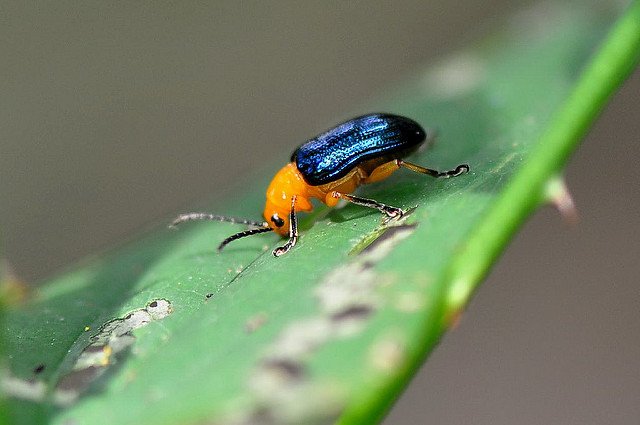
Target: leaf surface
{"points": [[335, 328]]}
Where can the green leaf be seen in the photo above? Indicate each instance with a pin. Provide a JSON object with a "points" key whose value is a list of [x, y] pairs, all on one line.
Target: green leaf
{"points": [[165, 330]]}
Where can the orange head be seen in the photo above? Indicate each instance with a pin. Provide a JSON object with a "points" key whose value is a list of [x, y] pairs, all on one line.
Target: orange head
{"points": [[286, 184], [277, 217]]}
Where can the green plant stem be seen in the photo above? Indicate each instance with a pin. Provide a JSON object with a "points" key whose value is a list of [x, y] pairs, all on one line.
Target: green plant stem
{"points": [[610, 67]]}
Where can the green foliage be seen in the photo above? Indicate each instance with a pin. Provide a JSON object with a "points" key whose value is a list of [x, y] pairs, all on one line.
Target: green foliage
{"points": [[335, 328]]}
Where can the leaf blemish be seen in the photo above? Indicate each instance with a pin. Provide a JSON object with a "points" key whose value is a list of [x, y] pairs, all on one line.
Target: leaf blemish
{"points": [[354, 312], [455, 76], [347, 300], [387, 240], [389, 230], [387, 354], [113, 338], [23, 389], [287, 369], [255, 322], [409, 302], [285, 394]]}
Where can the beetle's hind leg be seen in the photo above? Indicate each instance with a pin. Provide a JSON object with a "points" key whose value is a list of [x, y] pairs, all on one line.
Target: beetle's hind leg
{"points": [[385, 170], [388, 210], [460, 169]]}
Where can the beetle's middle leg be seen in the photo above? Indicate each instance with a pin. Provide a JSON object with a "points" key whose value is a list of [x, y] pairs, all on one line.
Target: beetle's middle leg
{"points": [[388, 210]]}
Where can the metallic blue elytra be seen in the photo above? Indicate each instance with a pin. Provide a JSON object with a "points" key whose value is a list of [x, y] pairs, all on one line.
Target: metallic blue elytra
{"points": [[332, 154]]}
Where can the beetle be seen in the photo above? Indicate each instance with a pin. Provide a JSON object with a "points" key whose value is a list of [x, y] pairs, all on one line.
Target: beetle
{"points": [[330, 167]]}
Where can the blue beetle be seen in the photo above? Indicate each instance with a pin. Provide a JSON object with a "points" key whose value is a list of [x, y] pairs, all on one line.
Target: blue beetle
{"points": [[330, 167]]}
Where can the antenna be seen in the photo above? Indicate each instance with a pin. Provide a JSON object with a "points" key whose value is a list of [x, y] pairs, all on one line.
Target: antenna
{"points": [[261, 227]]}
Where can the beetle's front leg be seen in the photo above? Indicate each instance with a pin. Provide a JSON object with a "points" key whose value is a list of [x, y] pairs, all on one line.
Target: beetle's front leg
{"points": [[293, 231]]}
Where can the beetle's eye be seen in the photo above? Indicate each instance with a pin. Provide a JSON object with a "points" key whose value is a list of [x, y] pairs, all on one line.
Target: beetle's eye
{"points": [[277, 220]]}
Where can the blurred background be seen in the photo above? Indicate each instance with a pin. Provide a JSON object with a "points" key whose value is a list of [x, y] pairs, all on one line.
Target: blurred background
{"points": [[115, 119]]}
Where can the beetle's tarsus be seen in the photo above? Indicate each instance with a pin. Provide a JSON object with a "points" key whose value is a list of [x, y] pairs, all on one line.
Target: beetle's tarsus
{"points": [[399, 213], [393, 212], [460, 169]]}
